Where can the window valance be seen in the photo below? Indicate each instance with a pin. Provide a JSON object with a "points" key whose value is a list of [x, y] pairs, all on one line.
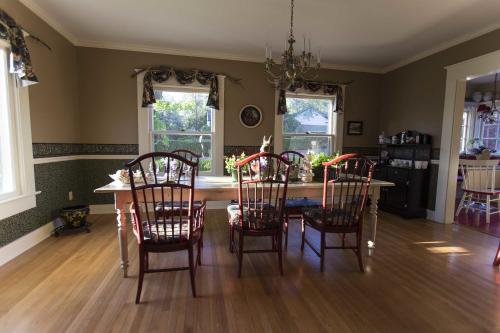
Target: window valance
{"points": [[20, 62], [182, 77], [332, 89]]}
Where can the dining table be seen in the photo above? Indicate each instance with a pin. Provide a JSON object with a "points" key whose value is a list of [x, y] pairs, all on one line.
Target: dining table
{"points": [[222, 188]]}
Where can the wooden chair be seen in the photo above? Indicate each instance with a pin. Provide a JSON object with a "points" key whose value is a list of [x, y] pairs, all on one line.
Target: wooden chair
{"points": [[345, 191], [479, 186], [193, 157], [165, 230], [295, 206], [261, 200]]}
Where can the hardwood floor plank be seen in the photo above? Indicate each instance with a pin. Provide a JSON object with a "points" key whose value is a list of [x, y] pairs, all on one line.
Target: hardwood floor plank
{"points": [[422, 277]]}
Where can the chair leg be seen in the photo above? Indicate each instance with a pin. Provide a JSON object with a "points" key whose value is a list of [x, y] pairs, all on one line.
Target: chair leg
{"points": [[496, 261], [461, 204], [240, 253], [191, 269], [322, 252], [498, 205], [343, 240], [280, 252], [200, 250], [141, 276], [359, 252], [303, 234], [287, 222], [146, 261], [488, 208], [231, 238]]}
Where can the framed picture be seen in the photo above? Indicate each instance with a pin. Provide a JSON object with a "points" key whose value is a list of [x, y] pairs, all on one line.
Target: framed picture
{"points": [[354, 128], [250, 116]]}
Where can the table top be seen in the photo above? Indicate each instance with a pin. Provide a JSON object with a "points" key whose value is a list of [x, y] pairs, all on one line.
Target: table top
{"points": [[225, 182]]}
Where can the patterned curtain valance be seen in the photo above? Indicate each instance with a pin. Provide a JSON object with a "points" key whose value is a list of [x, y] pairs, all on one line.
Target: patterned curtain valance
{"points": [[183, 77], [326, 88], [20, 60]]}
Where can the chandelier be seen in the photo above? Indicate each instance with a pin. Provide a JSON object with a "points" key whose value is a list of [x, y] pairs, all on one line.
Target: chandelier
{"points": [[489, 114], [292, 67]]}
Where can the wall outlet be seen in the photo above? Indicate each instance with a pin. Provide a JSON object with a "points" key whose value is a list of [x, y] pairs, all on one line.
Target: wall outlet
{"points": [[70, 195]]}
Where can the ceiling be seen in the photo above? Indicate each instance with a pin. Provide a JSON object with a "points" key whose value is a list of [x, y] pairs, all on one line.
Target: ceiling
{"points": [[371, 35]]}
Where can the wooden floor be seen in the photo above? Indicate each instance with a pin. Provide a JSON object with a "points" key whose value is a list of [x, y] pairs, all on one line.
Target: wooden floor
{"points": [[423, 277]]}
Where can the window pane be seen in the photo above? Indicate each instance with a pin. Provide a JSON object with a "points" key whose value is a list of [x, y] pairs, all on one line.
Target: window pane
{"points": [[181, 111], [490, 143], [201, 144], [7, 176], [490, 131], [306, 115], [306, 143]]}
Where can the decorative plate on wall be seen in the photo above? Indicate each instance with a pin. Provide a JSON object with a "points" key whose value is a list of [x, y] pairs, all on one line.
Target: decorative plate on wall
{"points": [[250, 116]]}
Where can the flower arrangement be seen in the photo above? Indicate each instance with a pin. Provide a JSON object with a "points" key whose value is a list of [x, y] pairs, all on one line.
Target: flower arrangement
{"points": [[477, 147], [230, 162]]}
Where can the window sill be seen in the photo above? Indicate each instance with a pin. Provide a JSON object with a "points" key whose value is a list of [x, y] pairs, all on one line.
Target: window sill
{"points": [[18, 204]]}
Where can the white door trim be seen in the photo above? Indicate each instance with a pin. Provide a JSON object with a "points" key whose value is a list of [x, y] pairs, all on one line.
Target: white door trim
{"points": [[456, 77]]}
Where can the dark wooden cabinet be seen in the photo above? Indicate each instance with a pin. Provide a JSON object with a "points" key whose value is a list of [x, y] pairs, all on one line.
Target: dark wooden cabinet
{"points": [[409, 195]]}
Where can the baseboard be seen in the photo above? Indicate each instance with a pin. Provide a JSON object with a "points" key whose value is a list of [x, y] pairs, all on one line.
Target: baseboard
{"points": [[20, 245], [102, 209], [431, 215]]}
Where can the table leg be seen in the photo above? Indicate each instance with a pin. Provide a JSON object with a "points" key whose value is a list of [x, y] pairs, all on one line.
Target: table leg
{"points": [[375, 195], [121, 223]]}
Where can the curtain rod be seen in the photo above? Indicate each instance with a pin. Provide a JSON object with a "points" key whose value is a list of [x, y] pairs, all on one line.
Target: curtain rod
{"points": [[26, 33], [163, 67]]}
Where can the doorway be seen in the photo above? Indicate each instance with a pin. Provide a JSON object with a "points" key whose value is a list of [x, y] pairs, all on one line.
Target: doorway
{"points": [[454, 103]]}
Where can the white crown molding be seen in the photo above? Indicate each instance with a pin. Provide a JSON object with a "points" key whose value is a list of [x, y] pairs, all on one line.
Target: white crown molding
{"points": [[441, 47], [206, 54], [49, 19]]}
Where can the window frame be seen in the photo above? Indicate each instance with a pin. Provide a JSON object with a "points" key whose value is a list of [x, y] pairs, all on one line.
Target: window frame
{"points": [[217, 131], [24, 197], [335, 126]]}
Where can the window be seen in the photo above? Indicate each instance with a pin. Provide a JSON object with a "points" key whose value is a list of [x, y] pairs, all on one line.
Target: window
{"points": [[181, 120], [466, 128], [17, 190], [310, 125], [473, 127]]}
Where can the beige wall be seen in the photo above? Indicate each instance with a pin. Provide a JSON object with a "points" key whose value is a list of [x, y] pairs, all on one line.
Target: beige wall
{"points": [[54, 101], [413, 96], [108, 96]]}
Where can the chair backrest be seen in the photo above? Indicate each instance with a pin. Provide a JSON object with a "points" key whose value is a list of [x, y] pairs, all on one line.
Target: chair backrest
{"points": [[346, 182], [262, 191], [189, 155], [478, 175], [157, 179], [293, 156]]}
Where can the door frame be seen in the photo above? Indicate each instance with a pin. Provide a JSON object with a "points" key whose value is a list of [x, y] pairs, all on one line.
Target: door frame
{"points": [[456, 77]]}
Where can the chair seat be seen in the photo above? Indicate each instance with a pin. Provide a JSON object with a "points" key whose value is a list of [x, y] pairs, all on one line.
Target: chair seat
{"points": [[169, 234], [302, 202], [176, 207], [338, 219], [483, 192], [253, 221]]}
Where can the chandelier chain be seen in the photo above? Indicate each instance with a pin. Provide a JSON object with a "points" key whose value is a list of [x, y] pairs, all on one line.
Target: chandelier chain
{"points": [[291, 18]]}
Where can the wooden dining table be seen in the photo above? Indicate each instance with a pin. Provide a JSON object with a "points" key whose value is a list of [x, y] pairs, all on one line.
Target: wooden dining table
{"points": [[221, 188]]}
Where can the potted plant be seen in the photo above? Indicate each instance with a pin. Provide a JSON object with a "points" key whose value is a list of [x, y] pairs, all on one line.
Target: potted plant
{"points": [[317, 164], [230, 162]]}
